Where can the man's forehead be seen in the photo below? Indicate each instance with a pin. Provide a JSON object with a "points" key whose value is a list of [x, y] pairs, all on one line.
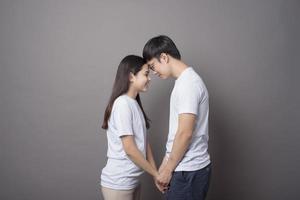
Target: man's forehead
{"points": [[151, 61]]}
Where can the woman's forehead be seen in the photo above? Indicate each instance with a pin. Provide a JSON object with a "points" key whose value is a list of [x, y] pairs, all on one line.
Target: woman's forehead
{"points": [[145, 67]]}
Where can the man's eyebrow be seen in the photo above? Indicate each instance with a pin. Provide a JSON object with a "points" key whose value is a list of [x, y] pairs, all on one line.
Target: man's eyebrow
{"points": [[151, 66]]}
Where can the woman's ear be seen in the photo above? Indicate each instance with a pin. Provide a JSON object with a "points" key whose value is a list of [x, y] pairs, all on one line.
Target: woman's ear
{"points": [[131, 77]]}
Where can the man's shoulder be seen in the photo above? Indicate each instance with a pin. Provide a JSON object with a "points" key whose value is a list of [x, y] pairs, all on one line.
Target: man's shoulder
{"points": [[191, 81]]}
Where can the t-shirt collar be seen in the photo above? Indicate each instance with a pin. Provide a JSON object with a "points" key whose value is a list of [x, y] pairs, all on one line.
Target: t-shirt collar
{"points": [[183, 73]]}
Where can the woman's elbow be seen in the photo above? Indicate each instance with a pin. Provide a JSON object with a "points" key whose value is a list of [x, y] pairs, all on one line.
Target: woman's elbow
{"points": [[129, 150]]}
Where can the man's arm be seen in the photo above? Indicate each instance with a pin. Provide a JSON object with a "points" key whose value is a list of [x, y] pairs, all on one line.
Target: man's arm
{"points": [[181, 142]]}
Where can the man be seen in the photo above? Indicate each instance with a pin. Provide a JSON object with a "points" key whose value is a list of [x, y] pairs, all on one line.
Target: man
{"points": [[186, 167]]}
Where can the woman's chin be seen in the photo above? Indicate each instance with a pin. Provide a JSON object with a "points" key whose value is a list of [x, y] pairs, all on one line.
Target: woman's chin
{"points": [[145, 89]]}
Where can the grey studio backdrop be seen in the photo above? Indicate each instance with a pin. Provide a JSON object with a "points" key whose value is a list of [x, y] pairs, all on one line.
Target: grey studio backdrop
{"points": [[58, 61]]}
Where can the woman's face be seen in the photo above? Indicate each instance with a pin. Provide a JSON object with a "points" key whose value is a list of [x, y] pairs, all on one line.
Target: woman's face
{"points": [[140, 81]]}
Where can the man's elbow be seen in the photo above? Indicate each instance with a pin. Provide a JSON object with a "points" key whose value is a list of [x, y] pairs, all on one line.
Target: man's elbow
{"points": [[186, 135]]}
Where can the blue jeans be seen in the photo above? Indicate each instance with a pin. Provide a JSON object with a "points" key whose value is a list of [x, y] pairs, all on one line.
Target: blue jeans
{"points": [[189, 185]]}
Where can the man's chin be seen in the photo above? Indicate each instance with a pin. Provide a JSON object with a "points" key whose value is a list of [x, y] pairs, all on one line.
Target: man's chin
{"points": [[163, 77]]}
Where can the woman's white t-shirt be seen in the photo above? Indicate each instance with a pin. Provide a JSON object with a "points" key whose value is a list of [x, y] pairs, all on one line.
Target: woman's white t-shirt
{"points": [[126, 118]]}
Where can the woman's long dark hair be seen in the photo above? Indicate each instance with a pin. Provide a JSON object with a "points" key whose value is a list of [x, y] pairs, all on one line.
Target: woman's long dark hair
{"points": [[133, 64]]}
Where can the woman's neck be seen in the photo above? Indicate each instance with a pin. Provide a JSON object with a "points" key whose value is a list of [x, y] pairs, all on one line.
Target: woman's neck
{"points": [[132, 93]]}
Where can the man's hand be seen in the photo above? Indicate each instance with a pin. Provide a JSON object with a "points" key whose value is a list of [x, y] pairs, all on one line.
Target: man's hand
{"points": [[159, 187], [164, 177]]}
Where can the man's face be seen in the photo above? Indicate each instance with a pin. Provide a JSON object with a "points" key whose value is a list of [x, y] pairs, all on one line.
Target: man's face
{"points": [[160, 68]]}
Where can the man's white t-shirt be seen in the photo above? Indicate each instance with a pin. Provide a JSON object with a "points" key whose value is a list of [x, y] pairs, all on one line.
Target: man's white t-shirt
{"points": [[126, 118], [190, 95]]}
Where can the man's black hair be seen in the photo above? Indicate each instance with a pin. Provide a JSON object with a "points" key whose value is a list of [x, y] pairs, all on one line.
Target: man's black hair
{"points": [[160, 44]]}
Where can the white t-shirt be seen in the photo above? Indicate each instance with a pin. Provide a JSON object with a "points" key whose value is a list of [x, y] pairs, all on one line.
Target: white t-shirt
{"points": [[126, 118], [190, 95]]}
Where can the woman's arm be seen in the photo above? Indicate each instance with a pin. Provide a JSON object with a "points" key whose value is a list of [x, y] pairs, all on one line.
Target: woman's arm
{"points": [[151, 160], [136, 155], [150, 157]]}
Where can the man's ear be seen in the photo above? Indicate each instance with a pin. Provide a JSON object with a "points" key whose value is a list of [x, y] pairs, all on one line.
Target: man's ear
{"points": [[164, 58], [131, 77]]}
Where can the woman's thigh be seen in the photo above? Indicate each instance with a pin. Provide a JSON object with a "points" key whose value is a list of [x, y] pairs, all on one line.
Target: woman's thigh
{"points": [[111, 194]]}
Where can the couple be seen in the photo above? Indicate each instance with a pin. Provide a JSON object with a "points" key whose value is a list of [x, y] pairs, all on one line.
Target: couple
{"points": [[185, 170]]}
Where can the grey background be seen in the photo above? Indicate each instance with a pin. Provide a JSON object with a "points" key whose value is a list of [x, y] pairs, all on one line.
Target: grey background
{"points": [[58, 60]]}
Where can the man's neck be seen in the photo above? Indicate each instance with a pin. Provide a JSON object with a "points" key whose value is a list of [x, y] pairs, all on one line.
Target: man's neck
{"points": [[177, 67]]}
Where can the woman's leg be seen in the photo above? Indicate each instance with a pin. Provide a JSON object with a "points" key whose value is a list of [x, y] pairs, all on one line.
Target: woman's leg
{"points": [[110, 194], [137, 193]]}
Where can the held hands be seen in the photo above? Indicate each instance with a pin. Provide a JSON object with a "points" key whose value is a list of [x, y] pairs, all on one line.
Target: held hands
{"points": [[159, 187], [163, 178]]}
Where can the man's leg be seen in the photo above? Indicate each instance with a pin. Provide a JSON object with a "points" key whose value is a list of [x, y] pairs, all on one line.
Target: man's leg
{"points": [[189, 185], [178, 188], [199, 182]]}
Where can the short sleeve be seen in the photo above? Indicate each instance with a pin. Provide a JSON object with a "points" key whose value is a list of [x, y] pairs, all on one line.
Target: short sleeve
{"points": [[189, 98], [122, 116]]}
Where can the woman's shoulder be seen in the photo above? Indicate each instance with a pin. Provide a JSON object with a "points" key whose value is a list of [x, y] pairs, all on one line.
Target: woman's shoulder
{"points": [[122, 101]]}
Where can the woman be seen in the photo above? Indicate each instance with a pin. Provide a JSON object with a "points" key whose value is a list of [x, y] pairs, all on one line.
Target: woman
{"points": [[129, 152]]}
